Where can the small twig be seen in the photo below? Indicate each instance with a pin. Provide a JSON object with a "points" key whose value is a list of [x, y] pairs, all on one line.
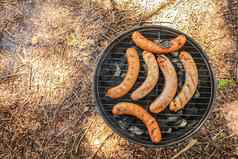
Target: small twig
{"points": [[212, 154], [190, 145], [8, 77], [101, 145], [82, 137]]}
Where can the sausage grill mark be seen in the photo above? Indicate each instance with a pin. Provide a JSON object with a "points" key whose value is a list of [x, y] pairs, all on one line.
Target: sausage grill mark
{"points": [[130, 78], [150, 46], [138, 112], [170, 87], [190, 84], [151, 79]]}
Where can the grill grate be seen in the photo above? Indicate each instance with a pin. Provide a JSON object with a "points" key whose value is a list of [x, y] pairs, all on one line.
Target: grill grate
{"points": [[175, 127]]}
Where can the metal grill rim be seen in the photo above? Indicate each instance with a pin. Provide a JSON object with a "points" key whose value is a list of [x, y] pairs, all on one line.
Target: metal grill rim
{"points": [[177, 139]]}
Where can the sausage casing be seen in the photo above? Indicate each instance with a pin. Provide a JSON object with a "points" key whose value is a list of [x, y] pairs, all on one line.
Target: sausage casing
{"points": [[151, 79], [150, 46], [137, 111], [131, 76], [170, 87], [190, 84]]}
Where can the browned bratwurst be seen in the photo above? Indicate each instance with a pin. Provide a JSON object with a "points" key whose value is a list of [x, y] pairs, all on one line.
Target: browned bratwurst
{"points": [[190, 84], [131, 76], [170, 88], [135, 110], [151, 79], [150, 46]]}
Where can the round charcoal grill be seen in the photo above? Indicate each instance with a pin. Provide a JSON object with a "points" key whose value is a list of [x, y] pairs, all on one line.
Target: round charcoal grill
{"points": [[175, 127]]}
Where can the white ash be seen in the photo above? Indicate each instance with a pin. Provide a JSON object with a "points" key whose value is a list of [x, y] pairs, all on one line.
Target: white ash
{"points": [[117, 72], [136, 130]]}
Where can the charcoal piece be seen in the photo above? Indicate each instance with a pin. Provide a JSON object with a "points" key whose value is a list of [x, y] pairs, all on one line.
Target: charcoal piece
{"points": [[181, 123], [197, 94], [136, 130], [117, 72], [123, 124]]}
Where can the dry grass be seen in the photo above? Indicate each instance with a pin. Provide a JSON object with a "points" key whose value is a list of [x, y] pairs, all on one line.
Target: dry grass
{"points": [[45, 57], [204, 21], [48, 53]]}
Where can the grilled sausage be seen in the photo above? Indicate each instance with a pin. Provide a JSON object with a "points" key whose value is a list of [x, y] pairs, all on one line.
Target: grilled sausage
{"points": [[190, 85], [170, 88], [151, 79], [137, 111], [131, 76], [150, 46]]}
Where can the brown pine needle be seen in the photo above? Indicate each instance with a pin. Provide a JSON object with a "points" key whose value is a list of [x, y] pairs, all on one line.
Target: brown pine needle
{"points": [[189, 146]]}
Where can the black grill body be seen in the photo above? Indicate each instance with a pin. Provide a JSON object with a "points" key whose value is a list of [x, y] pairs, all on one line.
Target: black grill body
{"points": [[111, 68]]}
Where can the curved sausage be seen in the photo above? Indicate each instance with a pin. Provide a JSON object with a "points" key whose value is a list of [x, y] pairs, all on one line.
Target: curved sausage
{"points": [[170, 88], [130, 78], [151, 79], [150, 46], [190, 85], [135, 110]]}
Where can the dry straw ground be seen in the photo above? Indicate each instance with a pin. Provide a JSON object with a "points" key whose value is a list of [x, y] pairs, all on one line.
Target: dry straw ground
{"points": [[48, 50]]}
